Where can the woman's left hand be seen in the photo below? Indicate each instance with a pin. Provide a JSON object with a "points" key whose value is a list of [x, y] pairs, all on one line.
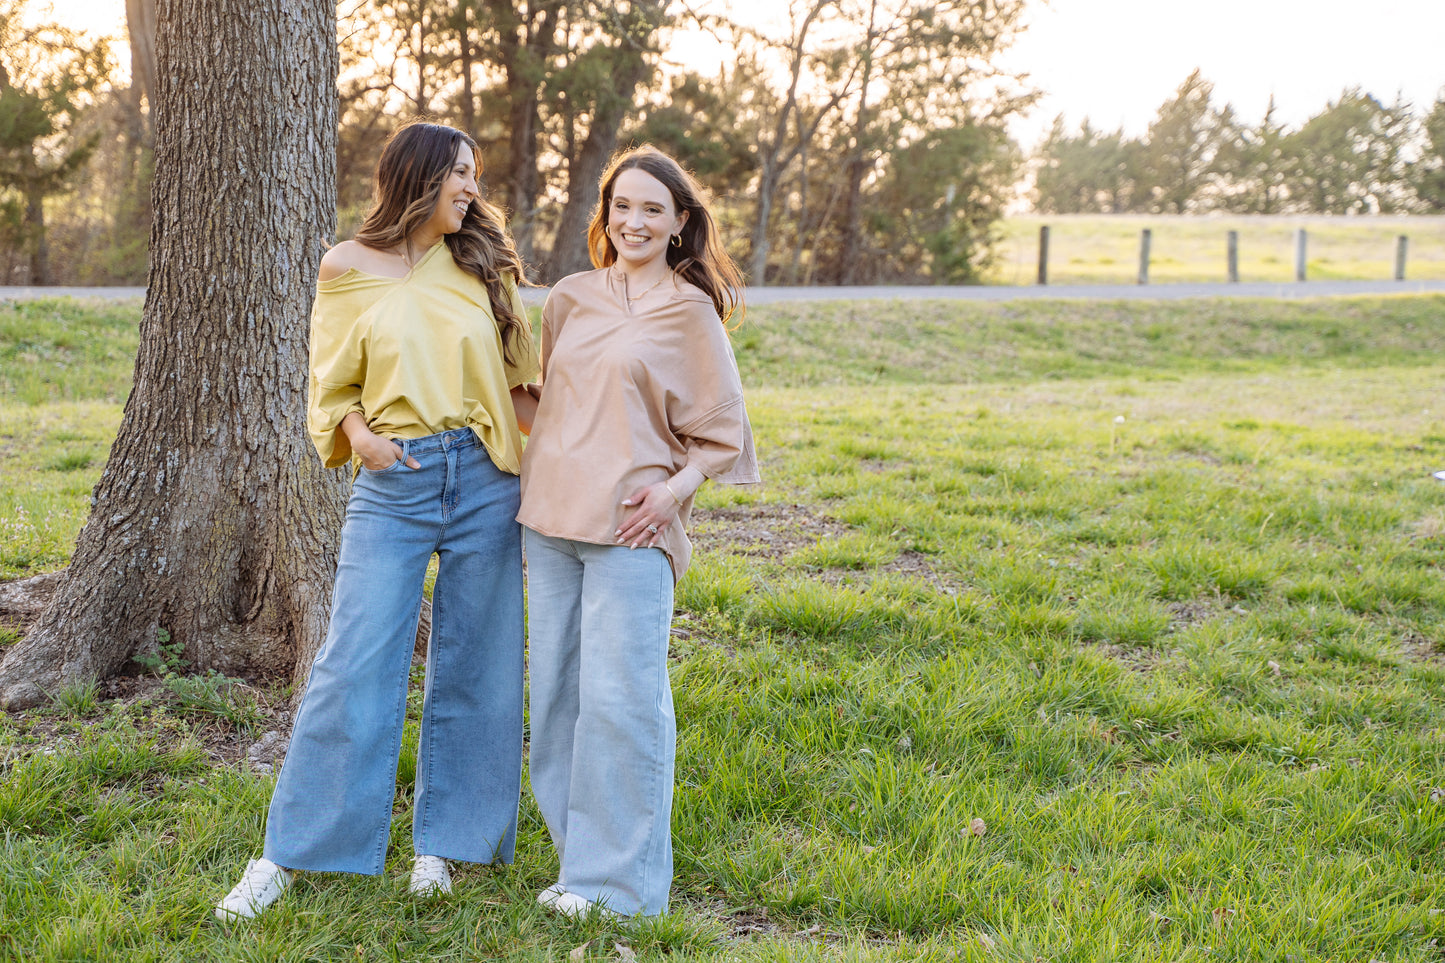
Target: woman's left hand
{"points": [[656, 509]]}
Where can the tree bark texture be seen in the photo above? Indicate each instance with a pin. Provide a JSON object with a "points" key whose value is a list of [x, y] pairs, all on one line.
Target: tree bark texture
{"points": [[214, 519]]}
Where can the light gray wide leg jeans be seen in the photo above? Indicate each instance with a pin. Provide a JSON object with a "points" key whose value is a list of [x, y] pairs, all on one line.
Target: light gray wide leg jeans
{"points": [[332, 806], [603, 734]]}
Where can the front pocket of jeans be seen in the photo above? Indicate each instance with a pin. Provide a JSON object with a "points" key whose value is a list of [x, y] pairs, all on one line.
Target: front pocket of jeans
{"points": [[381, 471]]}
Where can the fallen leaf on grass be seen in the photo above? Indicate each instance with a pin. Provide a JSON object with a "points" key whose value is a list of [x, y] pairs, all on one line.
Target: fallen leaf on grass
{"points": [[1273, 667], [1223, 915], [977, 826], [1160, 918], [1437, 794], [813, 930], [625, 951], [986, 941], [579, 952]]}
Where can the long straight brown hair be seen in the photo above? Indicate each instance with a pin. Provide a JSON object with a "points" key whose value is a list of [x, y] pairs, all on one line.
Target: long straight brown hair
{"points": [[409, 177], [699, 257]]}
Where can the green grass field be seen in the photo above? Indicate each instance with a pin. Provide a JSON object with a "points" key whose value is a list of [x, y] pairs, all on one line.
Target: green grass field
{"points": [[1060, 631], [1104, 249]]}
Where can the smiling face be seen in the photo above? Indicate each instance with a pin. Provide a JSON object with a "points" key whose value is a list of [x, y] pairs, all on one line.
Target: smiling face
{"points": [[641, 218], [458, 191]]}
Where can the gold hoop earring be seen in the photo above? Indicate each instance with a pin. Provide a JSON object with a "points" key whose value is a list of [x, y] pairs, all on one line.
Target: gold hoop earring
{"points": [[677, 240]]}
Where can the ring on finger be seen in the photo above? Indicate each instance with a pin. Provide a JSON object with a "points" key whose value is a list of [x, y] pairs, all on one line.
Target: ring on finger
{"points": [[652, 529]]}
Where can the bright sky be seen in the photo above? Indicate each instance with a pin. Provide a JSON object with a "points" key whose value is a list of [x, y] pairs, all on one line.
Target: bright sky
{"points": [[105, 17], [1116, 61]]}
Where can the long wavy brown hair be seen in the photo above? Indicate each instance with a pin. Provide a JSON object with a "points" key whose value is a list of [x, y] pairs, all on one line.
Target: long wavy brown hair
{"points": [[414, 164], [700, 257]]}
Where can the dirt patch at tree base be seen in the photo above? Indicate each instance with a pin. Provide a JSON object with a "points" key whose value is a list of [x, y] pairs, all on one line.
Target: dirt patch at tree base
{"points": [[149, 703]]}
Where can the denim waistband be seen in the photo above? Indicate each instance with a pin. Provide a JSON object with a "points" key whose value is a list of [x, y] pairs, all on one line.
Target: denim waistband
{"points": [[441, 441]]}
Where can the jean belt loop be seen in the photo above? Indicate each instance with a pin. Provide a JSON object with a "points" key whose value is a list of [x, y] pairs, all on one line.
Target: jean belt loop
{"points": [[405, 449]]}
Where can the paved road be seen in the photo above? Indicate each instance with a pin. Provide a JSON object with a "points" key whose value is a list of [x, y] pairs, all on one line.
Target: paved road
{"points": [[1305, 289]]}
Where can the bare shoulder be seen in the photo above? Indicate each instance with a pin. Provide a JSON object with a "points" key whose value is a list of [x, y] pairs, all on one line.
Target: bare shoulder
{"points": [[342, 258], [349, 255]]}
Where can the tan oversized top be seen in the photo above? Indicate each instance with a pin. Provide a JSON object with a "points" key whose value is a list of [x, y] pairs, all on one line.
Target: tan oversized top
{"points": [[628, 400], [415, 355]]}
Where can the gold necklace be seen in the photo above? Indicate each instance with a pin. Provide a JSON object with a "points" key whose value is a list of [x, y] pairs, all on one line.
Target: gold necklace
{"points": [[638, 295]]}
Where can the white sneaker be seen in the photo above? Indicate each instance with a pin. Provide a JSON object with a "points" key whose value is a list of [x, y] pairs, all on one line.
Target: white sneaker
{"points": [[430, 876], [259, 887], [572, 905]]}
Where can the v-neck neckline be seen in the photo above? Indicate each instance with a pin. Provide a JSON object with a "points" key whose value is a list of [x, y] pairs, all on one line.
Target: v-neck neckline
{"points": [[426, 256]]}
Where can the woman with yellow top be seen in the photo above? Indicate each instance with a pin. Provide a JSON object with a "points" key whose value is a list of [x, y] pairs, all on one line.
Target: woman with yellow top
{"points": [[640, 403], [419, 346]]}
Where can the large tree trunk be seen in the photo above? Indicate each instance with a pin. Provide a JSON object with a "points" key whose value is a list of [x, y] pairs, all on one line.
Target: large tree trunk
{"points": [[214, 520]]}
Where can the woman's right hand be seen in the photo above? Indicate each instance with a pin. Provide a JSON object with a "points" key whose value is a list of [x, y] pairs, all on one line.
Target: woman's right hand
{"points": [[380, 453], [376, 453]]}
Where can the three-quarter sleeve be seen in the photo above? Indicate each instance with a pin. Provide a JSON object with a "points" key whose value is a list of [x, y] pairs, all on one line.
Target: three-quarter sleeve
{"points": [[720, 445], [714, 427], [338, 363]]}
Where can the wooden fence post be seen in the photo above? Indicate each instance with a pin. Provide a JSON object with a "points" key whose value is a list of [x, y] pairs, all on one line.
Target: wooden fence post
{"points": [[1401, 243], [1299, 254], [1232, 256], [1044, 254], [1144, 237]]}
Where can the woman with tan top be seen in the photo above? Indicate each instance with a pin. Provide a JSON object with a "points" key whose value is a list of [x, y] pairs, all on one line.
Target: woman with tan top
{"points": [[640, 403], [419, 346]]}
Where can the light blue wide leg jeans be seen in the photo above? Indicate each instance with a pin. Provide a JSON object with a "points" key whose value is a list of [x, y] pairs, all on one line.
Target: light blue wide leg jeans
{"points": [[332, 806], [603, 734]]}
